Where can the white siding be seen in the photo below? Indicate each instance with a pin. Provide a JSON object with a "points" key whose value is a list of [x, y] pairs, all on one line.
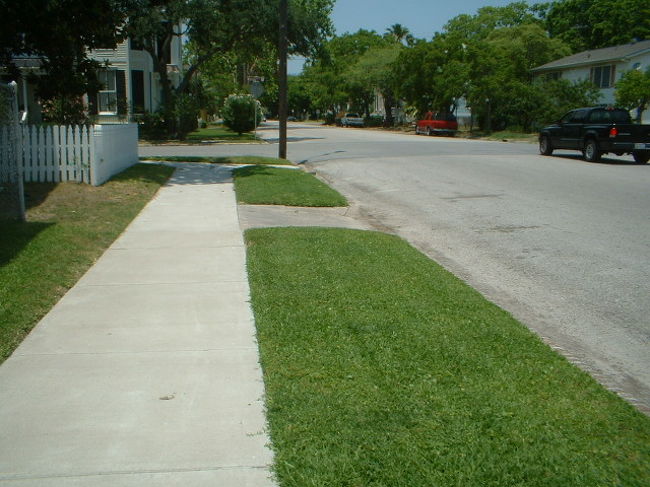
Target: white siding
{"points": [[116, 57], [608, 95]]}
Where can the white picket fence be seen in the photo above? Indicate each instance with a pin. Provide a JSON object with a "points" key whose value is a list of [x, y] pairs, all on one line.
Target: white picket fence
{"points": [[57, 153], [85, 154]]}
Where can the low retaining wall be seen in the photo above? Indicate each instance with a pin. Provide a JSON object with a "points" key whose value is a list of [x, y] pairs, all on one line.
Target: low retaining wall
{"points": [[115, 149]]}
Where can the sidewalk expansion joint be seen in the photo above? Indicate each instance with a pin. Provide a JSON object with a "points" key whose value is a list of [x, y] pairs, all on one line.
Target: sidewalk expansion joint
{"points": [[176, 247], [136, 352], [174, 283], [130, 472]]}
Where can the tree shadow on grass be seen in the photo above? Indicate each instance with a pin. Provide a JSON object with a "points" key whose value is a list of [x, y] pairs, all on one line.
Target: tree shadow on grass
{"points": [[257, 170], [37, 193], [14, 236], [140, 172]]}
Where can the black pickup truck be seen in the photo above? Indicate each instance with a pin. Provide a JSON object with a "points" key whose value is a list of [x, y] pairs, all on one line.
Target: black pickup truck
{"points": [[596, 131]]}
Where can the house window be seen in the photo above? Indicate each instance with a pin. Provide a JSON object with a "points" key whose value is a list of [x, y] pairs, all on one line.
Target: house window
{"points": [[553, 76], [107, 96], [603, 76]]}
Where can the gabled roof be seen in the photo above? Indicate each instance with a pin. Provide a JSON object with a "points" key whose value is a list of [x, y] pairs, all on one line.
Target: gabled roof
{"points": [[598, 56]]}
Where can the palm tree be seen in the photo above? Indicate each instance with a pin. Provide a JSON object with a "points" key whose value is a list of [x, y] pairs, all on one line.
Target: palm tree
{"points": [[399, 33]]}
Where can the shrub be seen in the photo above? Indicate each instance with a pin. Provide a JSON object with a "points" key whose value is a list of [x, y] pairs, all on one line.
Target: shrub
{"points": [[152, 126], [331, 119], [238, 113], [374, 121], [185, 111], [65, 110]]}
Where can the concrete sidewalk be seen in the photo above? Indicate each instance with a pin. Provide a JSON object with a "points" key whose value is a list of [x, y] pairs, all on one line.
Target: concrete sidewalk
{"points": [[146, 372]]}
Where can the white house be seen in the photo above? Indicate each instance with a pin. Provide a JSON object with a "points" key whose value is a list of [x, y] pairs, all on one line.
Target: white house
{"points": [[603, 67], [130, 83]]}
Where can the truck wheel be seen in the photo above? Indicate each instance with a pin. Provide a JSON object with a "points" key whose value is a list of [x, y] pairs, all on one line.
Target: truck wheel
{"points": [[641, 157], [545, 147], [592, 153]]}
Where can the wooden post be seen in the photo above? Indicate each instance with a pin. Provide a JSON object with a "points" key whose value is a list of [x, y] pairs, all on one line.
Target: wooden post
{"points": [[282, 80]]}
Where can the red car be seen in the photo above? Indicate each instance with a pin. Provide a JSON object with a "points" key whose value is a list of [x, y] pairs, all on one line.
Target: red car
{"points": [[438, 124]]}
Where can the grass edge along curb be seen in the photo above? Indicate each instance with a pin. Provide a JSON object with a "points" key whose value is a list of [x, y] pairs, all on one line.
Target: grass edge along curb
{"points": [[264, 185], [381, 368], [64, 234], [235, 160]]}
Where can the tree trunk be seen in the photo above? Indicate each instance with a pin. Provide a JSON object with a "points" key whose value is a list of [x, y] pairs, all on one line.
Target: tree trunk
{"points": [[388, 108], [639, 112]]}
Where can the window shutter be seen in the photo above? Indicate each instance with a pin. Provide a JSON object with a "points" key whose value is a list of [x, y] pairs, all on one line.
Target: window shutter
{"points": [[92, 103], [613, 81], [120, 88]]}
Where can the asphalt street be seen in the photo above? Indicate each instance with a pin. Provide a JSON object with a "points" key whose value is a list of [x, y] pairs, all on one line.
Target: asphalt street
{"points": [[562, 244]]}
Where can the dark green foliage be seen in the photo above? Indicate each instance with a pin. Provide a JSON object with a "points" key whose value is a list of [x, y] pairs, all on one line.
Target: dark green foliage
{"points": [[374, 121], [152, 126], [633, 91], [186, 113], [557, 97], [241, 112], [592, 24], [61, 32]]}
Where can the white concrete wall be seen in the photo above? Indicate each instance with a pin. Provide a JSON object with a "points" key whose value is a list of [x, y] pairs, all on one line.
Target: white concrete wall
{"points": [[115, 149]]}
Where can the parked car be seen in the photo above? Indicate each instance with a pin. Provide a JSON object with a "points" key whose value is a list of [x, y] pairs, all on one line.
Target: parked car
{"points": [[596, 131], [352, 120], [438, 124]]}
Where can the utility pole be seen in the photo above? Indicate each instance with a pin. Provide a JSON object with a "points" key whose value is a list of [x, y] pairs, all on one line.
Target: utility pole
{"points": [[282, 79]]}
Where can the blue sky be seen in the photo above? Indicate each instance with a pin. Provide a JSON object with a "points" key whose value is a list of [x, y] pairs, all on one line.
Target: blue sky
{"points": [[421, 17]]}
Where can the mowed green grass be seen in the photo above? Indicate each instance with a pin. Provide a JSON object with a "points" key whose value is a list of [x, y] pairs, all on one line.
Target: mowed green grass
{"points": [[259, 185], [382, 369], [219, 132], [260, 160], [68, 227]]}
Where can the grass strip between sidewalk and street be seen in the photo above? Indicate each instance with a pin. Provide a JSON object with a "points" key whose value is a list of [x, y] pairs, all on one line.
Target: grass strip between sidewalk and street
{"points": [[219, 132], [259, 160], [69, 225], [259, 185], [382, 368]]}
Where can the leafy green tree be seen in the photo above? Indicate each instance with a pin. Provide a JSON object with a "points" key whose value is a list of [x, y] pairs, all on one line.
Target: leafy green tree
{"points": [[327, 78], [557, 97], [429, 77], [592, 24], [466, 28], [633, 91], [374, 70], [399, 34], [300, 102], [500, 87], [243, 31]]}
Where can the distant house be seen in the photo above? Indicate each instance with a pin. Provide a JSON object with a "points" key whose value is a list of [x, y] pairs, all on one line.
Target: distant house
{"points": [[603, 67], [130, 84]]}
